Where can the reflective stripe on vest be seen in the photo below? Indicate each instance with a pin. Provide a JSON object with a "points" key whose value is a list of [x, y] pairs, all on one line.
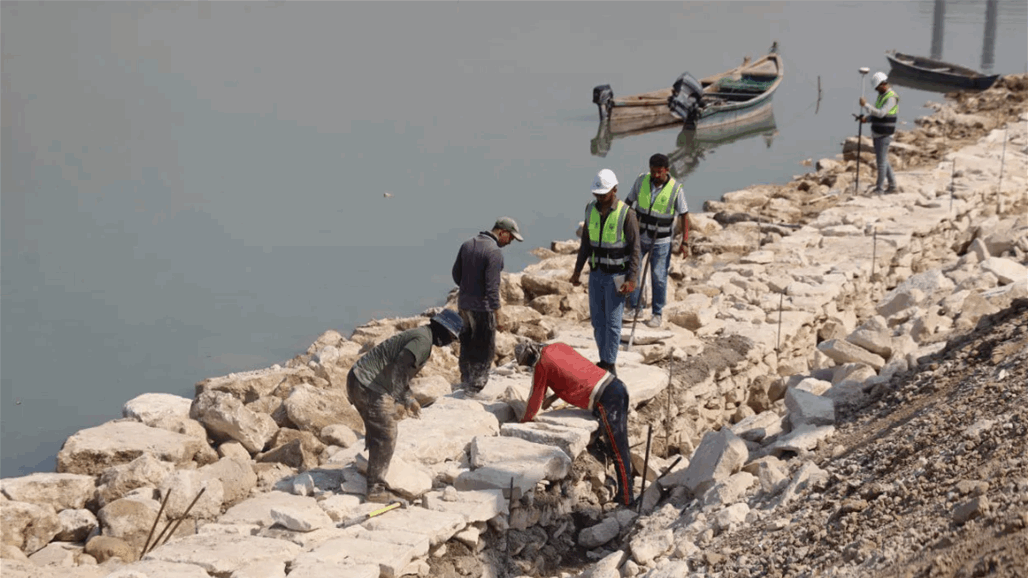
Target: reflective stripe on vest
{"points": [[886, 124], [608, 245], [657, 217]]}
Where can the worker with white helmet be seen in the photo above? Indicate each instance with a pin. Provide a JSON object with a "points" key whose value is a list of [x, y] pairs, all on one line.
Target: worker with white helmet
{"points": [[610, 243], [883, 124]]}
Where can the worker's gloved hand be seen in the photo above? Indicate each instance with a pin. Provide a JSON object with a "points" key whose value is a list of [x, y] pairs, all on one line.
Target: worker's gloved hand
{"points": [[414, 409]]}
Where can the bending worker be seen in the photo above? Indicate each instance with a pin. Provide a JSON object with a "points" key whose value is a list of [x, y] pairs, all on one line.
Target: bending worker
{"points": [[477, 271], [378, 385], [577, 381], [657, 199], [883, 126], [610, 242]]}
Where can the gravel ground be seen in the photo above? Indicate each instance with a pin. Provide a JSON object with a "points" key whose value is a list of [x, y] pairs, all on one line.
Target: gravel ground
{"points": [[929, 479]]}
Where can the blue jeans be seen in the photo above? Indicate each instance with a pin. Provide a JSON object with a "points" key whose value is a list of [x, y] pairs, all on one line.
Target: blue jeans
{"points": [[660, 260], [606, 305], [882, 159]]}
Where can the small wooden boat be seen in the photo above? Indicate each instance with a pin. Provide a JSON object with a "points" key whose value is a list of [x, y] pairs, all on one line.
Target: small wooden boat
{"points": [[730, 97], [938, 72]]}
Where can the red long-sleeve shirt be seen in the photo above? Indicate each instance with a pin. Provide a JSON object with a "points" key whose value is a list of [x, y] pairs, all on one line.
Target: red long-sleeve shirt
{"points": [[572, 377]]}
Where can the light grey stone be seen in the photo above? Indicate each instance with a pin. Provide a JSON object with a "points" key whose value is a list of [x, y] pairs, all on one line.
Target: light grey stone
{"points": [[93, 450], [846, 352], [28, 527], [223, 554], [76, 525], [599, 534], [647, 547], [150, 408], [1006, 270], [719, 455], [301, 518], [62, 491], [806, 408], [225, 417]]}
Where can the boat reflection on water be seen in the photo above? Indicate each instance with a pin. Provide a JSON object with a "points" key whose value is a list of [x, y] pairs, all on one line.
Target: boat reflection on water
{"points": [[691, 146]]}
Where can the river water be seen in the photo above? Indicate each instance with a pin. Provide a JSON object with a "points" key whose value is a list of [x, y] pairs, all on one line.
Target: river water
{"points": [[192, 189]]}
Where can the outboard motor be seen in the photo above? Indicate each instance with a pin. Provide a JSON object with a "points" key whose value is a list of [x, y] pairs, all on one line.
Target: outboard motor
{"points": [[686, 94], [603, 98]]}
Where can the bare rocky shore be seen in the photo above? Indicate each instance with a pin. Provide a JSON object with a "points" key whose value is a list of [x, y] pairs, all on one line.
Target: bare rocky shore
{"points": [[839, 389]]}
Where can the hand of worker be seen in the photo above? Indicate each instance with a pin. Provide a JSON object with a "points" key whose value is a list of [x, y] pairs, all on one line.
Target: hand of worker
{"points": [[627, 287], [414, 409], [575, 279], [863, 101], [684, 250]]}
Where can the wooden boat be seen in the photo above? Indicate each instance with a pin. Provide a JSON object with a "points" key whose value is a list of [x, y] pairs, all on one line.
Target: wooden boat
{"points": [[730, 97], [938, 72]]}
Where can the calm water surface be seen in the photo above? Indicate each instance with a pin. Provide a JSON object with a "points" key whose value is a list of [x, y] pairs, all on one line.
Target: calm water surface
{"points": [[195, 189]]}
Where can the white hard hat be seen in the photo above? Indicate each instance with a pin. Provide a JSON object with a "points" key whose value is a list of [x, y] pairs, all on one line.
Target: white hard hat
{"points": [[604, 182], [878, 78]]}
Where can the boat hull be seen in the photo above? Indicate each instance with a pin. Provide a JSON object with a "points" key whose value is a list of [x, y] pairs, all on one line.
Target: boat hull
{"points": [[939, 73]]}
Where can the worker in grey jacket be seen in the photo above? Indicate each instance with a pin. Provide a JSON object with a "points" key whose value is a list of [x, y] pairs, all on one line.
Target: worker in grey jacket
{"points": [[378, 385], [477, 272]]}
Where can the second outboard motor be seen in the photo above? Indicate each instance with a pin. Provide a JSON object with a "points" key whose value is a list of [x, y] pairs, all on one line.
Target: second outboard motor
{"points": [[603, 98], [686, 93]]}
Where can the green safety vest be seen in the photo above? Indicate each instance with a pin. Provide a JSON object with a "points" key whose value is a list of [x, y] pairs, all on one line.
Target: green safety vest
{"points": [[885, 125], [608, 246], [656, 216]]}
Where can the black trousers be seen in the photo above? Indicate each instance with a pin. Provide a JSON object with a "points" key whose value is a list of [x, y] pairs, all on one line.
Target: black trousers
{"points": [[378, 410], [612, 411], [477, 348]]}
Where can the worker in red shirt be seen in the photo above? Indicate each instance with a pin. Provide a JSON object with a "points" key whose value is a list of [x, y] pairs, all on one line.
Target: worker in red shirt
{"points": [[581, 383]]}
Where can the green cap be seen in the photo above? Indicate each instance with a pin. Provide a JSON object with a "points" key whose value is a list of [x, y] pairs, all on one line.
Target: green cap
{"points": [[508, 224]]}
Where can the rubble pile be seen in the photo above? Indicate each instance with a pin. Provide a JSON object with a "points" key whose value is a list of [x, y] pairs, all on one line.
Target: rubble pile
{"points": [[817, 401]]}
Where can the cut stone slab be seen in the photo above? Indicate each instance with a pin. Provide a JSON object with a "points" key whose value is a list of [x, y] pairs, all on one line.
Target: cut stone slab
{"points": [[474, 506], [257, 510], [572, 417], [644, 335], [334, 569], [438, 526], [571, 440], [301, 518], [551, 462], [222, 554], [444, 431], [1006, 270], [93, 450], [845, 352], [156, 568], [391, 558], [419, 543]]}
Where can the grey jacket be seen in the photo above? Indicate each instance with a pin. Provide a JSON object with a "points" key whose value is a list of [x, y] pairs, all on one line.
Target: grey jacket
{"points": [[477, 272]]}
